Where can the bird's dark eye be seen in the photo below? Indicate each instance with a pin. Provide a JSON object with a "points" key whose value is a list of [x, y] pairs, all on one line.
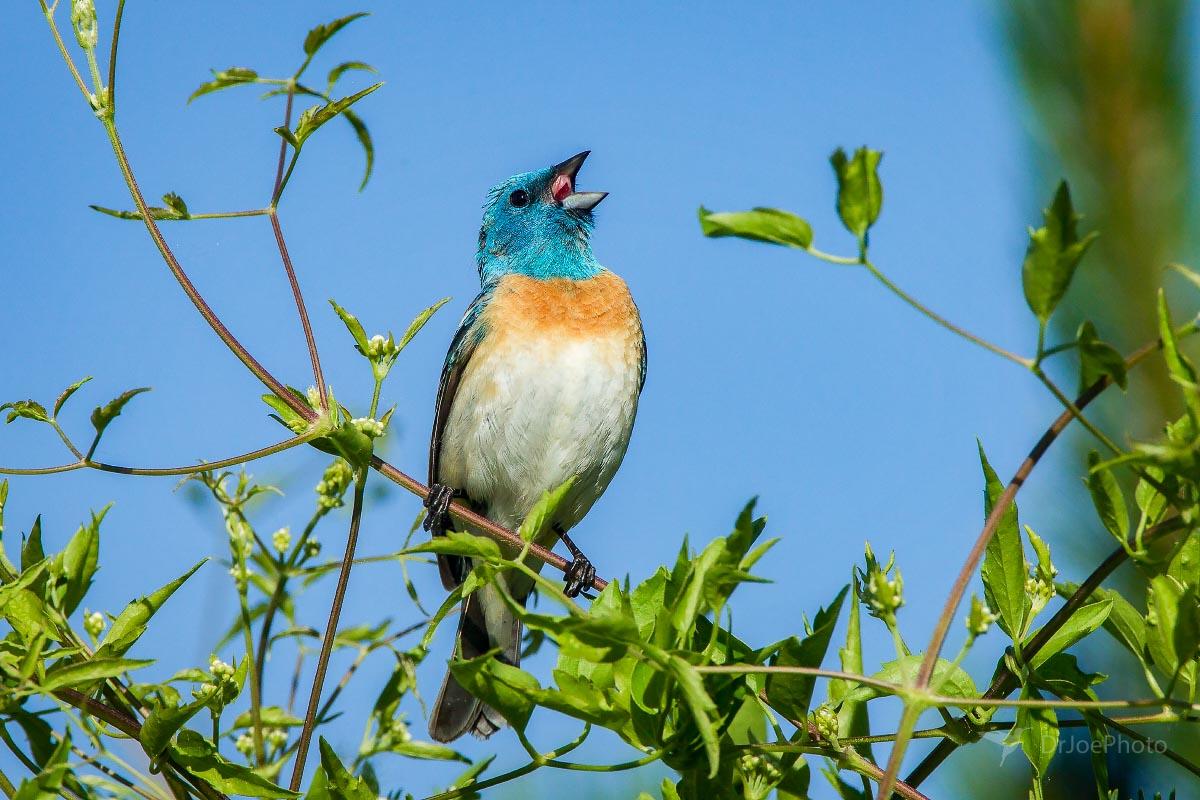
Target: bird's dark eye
{"points": [[519, 198]]}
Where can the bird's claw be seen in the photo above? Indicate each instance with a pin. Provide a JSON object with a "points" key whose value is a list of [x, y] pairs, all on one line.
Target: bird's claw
{"points": [[437, 505], [578, 576]]}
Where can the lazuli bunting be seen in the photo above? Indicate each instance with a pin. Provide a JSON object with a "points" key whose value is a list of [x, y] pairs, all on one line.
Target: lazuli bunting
{"points": [[541, 383]]}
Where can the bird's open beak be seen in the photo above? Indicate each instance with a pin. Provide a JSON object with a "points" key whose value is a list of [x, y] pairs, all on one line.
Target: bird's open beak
{"points": [[562, 186]]}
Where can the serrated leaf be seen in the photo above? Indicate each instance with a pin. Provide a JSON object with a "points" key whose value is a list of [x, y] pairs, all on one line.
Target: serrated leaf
{"points": [[131, 623], [1053, 253], [175, 205], [342, 785], [771, 225], [79, 562], [318, 36], [1004, 568], [164, 722], [1098, 359], [82, 673], [947, 678], [103, 415], [337, 72], [234, 76], [25, 409], [860, 194], [66, 393], [505, 688]]}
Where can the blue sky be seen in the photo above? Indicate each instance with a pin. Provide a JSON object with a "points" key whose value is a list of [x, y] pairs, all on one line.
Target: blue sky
{"points": [[770, 374]]}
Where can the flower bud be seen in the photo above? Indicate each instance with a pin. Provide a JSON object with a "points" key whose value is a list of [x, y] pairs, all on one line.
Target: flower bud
{"points": [[219, 669], [334, 482], [83, 20], [882, 595], [93, 622], [245, 744], [372, 428], [979, 618], [282, 540], [824, 719]]}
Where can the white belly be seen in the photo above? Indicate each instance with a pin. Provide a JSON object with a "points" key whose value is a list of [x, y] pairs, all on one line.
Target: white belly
{"points": [[532, 412]]}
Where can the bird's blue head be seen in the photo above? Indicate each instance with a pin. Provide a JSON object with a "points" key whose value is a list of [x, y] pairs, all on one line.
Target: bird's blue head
{"points": [[536, 224]]}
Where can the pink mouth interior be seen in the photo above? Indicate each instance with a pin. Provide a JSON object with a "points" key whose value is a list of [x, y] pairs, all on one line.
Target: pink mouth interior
{"points": [[560, 188]]}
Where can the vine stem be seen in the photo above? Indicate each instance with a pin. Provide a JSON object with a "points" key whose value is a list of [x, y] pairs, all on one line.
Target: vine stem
{"points": [[335, 612], [273, 213], [158, 472], [963, 579]]}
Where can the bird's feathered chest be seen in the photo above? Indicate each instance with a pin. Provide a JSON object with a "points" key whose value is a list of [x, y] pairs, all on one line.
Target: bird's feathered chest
{"points": [[550, 391]]}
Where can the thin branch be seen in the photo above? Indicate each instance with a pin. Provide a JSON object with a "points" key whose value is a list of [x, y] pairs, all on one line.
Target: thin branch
{"points": [[335, 612], [1005, 681], [963, 579]]}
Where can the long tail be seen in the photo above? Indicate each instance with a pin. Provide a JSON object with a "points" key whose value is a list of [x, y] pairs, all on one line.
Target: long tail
{"points": [[486, 623]]}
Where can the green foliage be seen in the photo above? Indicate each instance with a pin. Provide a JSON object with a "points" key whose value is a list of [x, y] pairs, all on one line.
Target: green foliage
{"points": [[859, 194], [760, 224], [1004, 564], [1054, 252]]}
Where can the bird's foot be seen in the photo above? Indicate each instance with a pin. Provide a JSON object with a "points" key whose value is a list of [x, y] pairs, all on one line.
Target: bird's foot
{"points": [[578, 576], [437, 505]]}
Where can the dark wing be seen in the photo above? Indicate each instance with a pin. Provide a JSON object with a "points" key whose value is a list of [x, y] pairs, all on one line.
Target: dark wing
{"points": [[470, 331]]}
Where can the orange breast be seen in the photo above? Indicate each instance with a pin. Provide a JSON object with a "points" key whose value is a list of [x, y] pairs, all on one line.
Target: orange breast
{"points": [[596, 306]]}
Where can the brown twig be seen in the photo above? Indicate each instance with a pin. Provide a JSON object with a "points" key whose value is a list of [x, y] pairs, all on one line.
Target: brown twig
{"points": [[963, 579], [335, 612]]}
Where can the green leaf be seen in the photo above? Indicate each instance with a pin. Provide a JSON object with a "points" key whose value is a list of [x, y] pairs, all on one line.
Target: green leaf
{"points": [[271, 716], [1037, 731], [1173, 630], [701, 706], [354, 326], [505, 688], [1083, 622], [1124, 622], [947, 678], [853, 719], [1108, 499], [32, 551], [103, 415], [760, 224], [1181, 369], [313, 118], [82, 673], [131, 623], [533, 527], [27, 409], [48, 783], [66, 393], [1098, 359], [176, 206], [342, 785], [792, 693], [318, 36], [457, 543], [164, 722], [418, 323], [196, 754], [1004, 568], [79, 562], [234, 76], [364, 139], [1053, 253], [337, 72], [860, 194]]}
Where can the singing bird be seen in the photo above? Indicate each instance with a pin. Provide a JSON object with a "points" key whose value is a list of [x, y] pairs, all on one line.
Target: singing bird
{"points": [[540, 385]]}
